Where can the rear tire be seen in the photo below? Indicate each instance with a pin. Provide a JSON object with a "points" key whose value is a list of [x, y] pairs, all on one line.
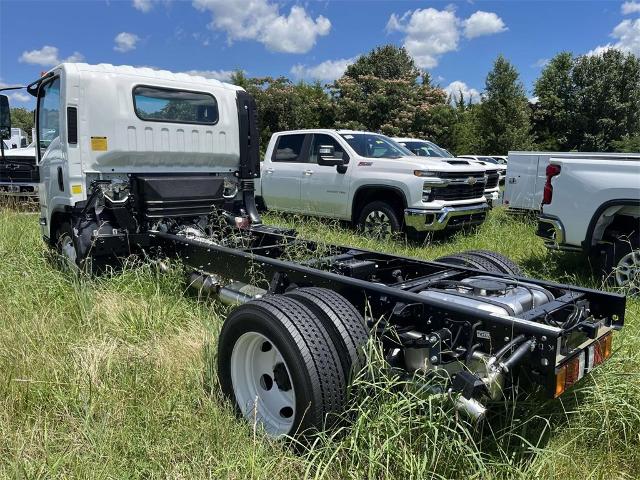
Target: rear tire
{"points": [[468, 260], [504, 264], [624, 263], [379, 220], [342, 321], [277, 363]]}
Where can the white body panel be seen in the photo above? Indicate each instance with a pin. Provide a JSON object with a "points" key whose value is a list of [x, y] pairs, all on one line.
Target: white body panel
{"points": [[103, 96], [584, 185], [526, 175]]}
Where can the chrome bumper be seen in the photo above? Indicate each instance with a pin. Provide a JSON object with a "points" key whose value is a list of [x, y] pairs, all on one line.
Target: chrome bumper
{"points": [[552, 231], [434, 220], [16, 189]]}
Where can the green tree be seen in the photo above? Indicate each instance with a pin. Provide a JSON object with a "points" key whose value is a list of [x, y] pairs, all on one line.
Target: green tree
{"points": [[283, 105], [553, 112], [22, 118], [385, 91], [607, 99], [502, 120]]}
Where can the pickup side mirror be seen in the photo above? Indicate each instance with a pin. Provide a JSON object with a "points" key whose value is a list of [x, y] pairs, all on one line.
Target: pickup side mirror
{"points": [[5, 118], [327, 156]]}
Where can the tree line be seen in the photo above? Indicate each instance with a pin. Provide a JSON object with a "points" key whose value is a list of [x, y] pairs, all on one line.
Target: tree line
{"points": [[583, 103]]}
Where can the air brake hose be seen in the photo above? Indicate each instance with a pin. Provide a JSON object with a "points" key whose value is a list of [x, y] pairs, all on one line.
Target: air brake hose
{"points": [[515, 358], [516, 341]]}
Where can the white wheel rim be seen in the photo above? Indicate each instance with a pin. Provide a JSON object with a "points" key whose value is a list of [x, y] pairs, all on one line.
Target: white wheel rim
{"points": [[628, 270], [262, 384], [378, 223], [68, 249]]}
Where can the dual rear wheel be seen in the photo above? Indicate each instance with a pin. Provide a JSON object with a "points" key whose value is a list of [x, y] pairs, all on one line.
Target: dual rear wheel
{"points": [[286, 360]]}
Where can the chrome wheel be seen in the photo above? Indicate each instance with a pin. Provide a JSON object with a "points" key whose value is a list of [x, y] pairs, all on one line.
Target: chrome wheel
{"points": [[628, 270], [262, 384], [68, 249], [378, 224]]}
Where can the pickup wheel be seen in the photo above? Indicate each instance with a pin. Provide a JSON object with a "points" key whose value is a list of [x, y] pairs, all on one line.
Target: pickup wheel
{"points": [[379, 220], [277, 363], [342, 321], [626, 263]]}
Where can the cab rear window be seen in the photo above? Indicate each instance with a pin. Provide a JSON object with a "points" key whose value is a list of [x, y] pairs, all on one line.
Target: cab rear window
{"points": [[174, 106]]}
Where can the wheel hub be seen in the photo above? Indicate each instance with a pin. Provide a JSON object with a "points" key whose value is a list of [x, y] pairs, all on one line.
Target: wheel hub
{"points": [[262, 383], [378, 223], [628, 270]]}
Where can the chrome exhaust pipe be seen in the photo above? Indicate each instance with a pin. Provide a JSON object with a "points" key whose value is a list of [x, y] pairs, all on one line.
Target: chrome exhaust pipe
{"points": [[235, 293]]}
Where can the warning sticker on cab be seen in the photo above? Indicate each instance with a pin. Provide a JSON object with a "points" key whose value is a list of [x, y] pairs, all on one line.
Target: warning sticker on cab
{"points": [[99, 144]]}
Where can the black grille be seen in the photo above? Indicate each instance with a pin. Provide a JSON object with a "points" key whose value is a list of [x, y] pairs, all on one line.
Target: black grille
{"points": [[459, 192], [492, 180], [460, 175], [18, 172]]}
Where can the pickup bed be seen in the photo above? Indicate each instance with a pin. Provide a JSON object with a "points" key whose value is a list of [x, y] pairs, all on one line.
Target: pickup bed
{"points": [[371, 181], [593, 206]]}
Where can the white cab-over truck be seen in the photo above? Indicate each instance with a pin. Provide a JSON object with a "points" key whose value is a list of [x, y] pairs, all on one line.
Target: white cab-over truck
{"points": [[156, 164], [369, 180], [526, 176], [592, 205]]}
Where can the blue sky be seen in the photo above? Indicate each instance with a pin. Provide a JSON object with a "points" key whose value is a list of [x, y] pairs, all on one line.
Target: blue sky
{"points": [[454, 41]]}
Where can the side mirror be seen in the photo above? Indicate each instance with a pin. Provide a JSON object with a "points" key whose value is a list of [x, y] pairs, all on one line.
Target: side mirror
{"points": [[5, 118], [327, 158]]}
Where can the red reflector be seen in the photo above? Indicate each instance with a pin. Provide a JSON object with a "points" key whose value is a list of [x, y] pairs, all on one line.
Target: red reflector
{"points": [[573, 372]]}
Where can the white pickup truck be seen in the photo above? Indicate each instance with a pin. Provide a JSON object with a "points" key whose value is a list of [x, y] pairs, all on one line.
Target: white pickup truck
{"points": [[593, 206], [369, 180]]}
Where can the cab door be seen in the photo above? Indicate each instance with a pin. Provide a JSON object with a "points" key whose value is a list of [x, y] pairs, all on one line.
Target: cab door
{"points": [[325, 190], [282, 176]]}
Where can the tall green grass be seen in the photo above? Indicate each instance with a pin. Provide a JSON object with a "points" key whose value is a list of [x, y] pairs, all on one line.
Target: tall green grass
{"points": [[112, 377]]}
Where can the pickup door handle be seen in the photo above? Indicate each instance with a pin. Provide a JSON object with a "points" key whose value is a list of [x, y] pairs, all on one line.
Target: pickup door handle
{"points": [[308, 172], [269, 170]]}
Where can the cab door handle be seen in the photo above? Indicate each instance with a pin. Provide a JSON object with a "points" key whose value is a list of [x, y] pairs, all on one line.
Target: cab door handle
{"points": [[269, 170], [308, 172]]}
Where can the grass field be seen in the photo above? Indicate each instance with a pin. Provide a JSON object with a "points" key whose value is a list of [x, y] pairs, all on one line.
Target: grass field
{"points": [[105, 378]]}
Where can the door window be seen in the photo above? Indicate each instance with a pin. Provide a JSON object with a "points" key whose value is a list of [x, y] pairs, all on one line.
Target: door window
{"points": [[290, 148], [48, 115], [323, 139]]}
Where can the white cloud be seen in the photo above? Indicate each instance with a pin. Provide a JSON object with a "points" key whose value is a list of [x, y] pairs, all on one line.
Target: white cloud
{"points": [[144, 6], [262, 21], [48, 56], [125, 42], [457, 88], [630, 7], [627, 34], [430, 33], [326, 71], [20, 97], [483, 23], [222, 75], [541, 63]]}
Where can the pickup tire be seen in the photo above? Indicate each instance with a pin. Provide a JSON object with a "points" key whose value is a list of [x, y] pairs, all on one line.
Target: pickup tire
{"points": [[278, 365], [623, 263], [379, 219], [343, 322]]}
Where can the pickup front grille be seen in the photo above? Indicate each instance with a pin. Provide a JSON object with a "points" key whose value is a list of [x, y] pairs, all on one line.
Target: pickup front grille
{"points": [[492, 180], [17, 172], [458, 192]]}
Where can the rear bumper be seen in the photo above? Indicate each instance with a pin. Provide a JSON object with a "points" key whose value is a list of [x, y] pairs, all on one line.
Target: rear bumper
{"points": [[446, 217], [551, 229], [17, 189]]}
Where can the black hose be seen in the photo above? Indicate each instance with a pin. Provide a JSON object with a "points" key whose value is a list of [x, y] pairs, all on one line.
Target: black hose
{"points": [[520, 352], [508, 346]]}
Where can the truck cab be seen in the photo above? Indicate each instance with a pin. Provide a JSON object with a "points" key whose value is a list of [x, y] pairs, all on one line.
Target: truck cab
{"points": [[369, 180]]}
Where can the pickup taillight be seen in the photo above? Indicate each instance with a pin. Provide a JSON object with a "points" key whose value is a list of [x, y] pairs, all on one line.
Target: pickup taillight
{"points": [[547, 193]]}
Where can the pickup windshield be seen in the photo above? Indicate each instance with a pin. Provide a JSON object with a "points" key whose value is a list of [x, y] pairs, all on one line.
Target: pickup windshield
{"points": [[375, 146], [425, 148]]}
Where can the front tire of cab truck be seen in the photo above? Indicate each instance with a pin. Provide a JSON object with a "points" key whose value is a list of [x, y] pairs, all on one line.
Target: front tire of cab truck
{"points": [[621, 263], [75, 250], [277, 364], [379, 219]]}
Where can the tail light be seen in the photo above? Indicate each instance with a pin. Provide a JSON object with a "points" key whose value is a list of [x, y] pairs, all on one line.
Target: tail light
{"points": [[572, 371], [547, 193]]}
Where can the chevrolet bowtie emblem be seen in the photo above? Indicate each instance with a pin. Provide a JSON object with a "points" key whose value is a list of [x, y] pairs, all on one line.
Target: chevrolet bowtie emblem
{"points": [[471, 180]]}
